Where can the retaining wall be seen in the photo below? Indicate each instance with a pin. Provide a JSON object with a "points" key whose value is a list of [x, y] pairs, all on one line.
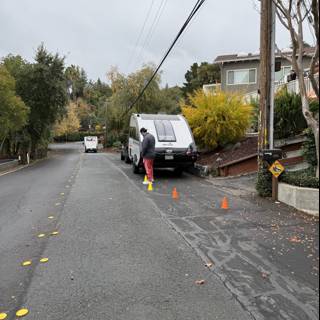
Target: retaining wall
{"points": [[303, 199]]}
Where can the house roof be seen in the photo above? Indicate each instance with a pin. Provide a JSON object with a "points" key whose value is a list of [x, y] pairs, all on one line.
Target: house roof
{"points": [[255, 56]]}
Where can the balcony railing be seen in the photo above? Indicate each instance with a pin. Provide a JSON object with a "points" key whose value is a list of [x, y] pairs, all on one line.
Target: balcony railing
{"points": [[292, 87]]}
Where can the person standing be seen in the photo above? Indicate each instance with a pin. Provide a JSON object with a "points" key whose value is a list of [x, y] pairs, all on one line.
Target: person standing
{"points": [[148, 153]]}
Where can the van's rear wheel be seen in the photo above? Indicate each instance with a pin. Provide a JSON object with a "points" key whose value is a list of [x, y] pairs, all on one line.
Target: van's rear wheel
{"points": [[178, 172], [135, 168], [127, 159]]}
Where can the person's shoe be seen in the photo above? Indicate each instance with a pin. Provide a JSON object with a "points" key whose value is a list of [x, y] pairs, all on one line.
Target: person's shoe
{"points": [[145, 183]]}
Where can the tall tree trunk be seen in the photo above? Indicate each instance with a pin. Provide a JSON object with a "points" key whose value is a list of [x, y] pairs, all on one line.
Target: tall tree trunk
{"points": [[2, 143]]}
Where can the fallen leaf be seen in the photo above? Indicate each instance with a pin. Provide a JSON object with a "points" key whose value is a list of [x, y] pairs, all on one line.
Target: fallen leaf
{"points": [[295, 239]]}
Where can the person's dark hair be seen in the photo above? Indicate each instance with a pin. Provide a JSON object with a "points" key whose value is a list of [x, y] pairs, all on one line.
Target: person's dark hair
{"points": [[143, 130]]}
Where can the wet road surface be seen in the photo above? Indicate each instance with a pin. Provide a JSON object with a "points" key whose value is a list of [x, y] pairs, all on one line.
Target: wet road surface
{"points": [[115, 256]]}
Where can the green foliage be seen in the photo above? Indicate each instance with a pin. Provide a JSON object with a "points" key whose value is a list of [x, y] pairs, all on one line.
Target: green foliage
{"points": [[77, 80], [289, 118], [309, 149], [256, 114], [42, 87], [199, 75], [13, 111], [217, 119], [264, 183], [97, 92], [314, 107], [125, 91], [304, 179], [14, 65]]}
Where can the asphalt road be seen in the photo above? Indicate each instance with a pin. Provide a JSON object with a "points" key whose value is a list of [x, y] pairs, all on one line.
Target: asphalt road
{"points": [[266, 254], [117, 255]]}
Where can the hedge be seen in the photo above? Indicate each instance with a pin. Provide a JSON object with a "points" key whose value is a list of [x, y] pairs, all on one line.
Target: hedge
{"points": [[264, 183], [304, 179]]}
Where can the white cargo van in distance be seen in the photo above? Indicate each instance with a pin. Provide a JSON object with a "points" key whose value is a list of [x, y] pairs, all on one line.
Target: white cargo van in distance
{"points": [[91, 144], [175, 145]]}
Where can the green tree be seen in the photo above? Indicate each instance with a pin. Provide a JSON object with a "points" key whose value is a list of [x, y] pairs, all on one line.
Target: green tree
{"points": [[170, 99], [97, 92], [289, 119], [15, 65], [13, 111], [218, 119], [125, 91], [42, 86], [199, 75], [76, 80]]}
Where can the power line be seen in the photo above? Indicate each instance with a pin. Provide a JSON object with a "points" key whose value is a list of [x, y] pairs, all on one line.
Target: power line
{"points": [[195, 9], [141, 33], [152, 28], [152, 31]]}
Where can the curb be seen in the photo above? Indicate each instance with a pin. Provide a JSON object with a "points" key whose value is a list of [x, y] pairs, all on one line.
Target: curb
{"points": [[13, 164], [199, 171]]}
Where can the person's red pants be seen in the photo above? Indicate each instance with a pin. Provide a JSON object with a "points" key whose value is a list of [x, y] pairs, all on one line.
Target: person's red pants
{"points": [[148, 164]]}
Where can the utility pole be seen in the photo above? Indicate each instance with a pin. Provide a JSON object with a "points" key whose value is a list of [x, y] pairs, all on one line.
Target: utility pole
{"points": [[272, 74], [265, 74]]}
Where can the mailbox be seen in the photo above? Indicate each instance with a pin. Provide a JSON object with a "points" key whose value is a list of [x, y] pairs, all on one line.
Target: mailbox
{"points": [[271, 156]]}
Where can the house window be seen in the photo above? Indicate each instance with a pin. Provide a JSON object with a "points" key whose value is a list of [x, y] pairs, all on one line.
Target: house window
{"points": [[281, 75], [239, 77]]}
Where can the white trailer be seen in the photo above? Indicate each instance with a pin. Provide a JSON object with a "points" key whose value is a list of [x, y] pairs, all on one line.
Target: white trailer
{"points": [[175, 145]]}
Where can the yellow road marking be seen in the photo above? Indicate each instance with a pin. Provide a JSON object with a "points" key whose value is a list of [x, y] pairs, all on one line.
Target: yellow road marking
{"points": [[26, 263], [22, 313]]}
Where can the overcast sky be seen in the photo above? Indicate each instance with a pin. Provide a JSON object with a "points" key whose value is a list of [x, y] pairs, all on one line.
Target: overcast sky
{"points": [[98, 34]]}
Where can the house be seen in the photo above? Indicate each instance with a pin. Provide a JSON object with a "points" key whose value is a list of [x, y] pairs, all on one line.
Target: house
{"points": [[240, 72]]}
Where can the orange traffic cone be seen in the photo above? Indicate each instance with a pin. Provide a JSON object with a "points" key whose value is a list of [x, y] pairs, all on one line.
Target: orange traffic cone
{"points": [[175, 194], [225, 203]]}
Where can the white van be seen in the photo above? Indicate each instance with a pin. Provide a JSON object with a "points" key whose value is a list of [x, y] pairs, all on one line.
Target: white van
{"points": [[175, 145], [91, 144]]}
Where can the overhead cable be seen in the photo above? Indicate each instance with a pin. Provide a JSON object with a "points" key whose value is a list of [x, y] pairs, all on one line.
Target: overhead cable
{"points": [[195, 9], [141, 33]]}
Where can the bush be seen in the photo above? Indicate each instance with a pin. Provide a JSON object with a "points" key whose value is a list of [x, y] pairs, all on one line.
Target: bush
{"points": [[309, 149], [255, 115], [314, 107], [217, 119], [264, 183], [289, 118], [304, 178]]}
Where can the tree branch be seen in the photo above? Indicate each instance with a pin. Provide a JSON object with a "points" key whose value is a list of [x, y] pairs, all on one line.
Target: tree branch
{"points": [[314, 62]]}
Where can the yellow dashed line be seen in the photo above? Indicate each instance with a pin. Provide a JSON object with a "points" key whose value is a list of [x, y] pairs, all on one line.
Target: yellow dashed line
{"points": [[26, 264], [22, 313], [44, 260]]}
